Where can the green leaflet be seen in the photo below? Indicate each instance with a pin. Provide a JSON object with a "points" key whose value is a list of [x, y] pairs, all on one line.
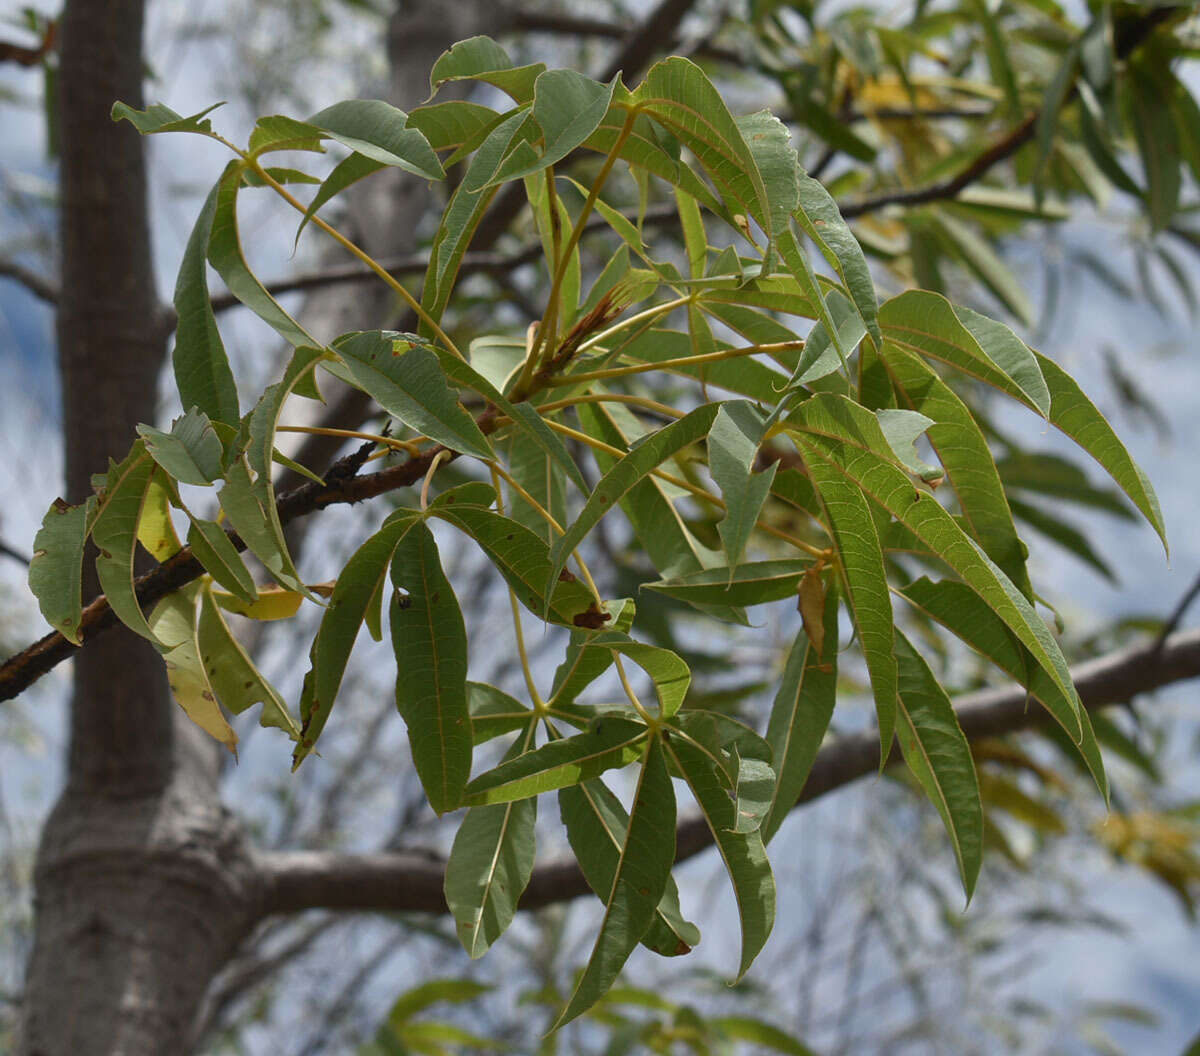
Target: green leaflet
{"points": [[231, 673], [202, 372], [159, 118], [359, 582], [553, 228], [839, 435], [56, 571], [960, 611], [225, 255], [929, 324], [821, 220], [757, 1032], [377, 130], [743, 853], [173, 624], [276, 132], [678, 95], [248, 495], [220, 558], [644, 457], [939, 755], [596, 825], [115, 533], [494, 713], [1076, 415], [733, 442], [411, 386], [796, 262], [770, 144], [1143, 93], [800, 715], [453, 124], [609, 743], [568, 108], [752, 583], [902, 429], [865, 578], [482, 59], [667, 670], [191, 452], [524, 561], [462, 215], [640, 878], [967, 459], [489, 865], [820, 357], [430, 642]]}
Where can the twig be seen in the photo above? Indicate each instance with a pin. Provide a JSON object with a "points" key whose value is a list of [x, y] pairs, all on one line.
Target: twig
{"points": [[16, 555], [43, 289], [1176, 617], [579, 26]]}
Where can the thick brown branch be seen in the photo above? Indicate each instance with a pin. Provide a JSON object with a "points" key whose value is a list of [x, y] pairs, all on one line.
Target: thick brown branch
{"points": [[296, 881]]}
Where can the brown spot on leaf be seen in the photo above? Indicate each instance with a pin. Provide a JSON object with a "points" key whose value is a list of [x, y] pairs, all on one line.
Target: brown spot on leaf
{"points": [[61, 505], [593, 619], [566, 577]]}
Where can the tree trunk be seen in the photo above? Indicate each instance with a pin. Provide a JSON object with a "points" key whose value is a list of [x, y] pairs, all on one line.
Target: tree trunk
{"points": [[144, 884]]}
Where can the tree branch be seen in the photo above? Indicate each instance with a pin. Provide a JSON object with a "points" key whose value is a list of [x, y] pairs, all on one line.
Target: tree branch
{"points": [[1129, 37], [579, 26], [42, 288], [398, 882]]}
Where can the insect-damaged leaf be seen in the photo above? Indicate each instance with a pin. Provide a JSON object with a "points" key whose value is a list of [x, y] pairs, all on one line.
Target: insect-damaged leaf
{"points": [[430, 643], [640, 878]]}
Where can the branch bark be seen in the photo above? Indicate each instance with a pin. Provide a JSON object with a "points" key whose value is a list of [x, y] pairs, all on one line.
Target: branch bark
{"points": [[297, 881]]}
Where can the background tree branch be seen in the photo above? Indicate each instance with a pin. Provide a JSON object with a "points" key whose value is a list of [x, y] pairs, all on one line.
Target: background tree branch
{"points": [[398, 882]]}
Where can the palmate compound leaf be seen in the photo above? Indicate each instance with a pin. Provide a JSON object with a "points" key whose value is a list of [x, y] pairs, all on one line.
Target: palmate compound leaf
{"points": [[801, 712], [407, 381], [939, 755], [359, 583], [596, 825], [743, 852], [248, 494], [430, 643], [843, 439], [641, 876], [645, 456], [56, 571], [490, 863]]}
